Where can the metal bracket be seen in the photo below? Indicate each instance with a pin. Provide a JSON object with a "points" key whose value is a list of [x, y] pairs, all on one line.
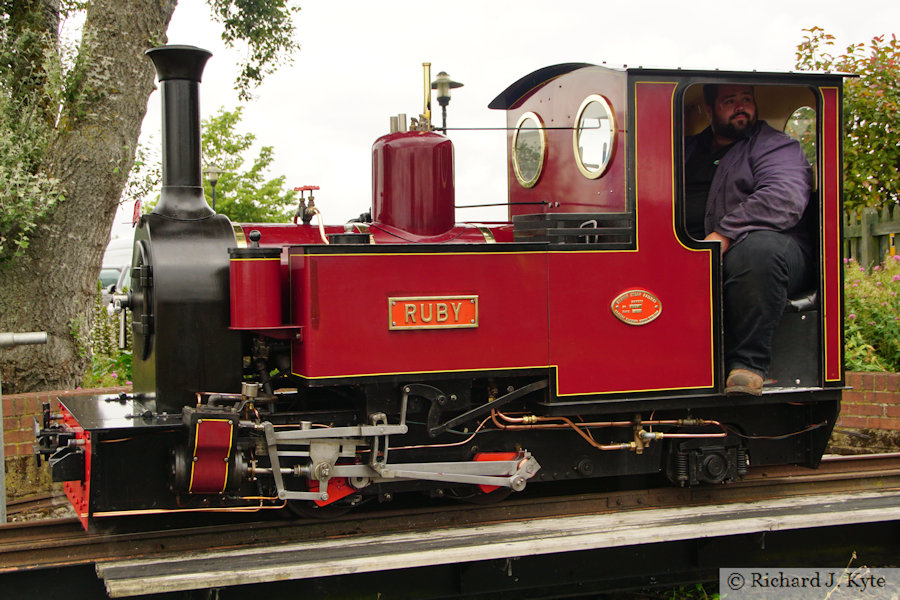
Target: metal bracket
{"points": [[283, 494], [378, 430], [323, 455], [143, 273], [486, 408], [437, 398]]}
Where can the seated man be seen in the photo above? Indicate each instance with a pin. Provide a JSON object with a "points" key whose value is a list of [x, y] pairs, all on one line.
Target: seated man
{"points": [[747, 186]]}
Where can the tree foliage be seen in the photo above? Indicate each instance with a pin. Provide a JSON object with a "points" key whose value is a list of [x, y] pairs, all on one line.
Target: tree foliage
{"points": [[46, 84], [71, 108], [871, 115], [266, 27], [242, 194], [27, 68]]}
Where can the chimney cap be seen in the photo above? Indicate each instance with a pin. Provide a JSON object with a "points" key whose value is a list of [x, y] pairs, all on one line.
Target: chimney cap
{"points": [[179, 62]]}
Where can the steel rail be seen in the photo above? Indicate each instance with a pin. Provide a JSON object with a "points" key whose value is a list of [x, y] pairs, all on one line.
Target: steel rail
{"points": [[62, 542], [37, 503]]}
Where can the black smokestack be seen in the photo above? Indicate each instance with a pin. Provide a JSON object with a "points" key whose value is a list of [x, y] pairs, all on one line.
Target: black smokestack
{"points": [[179, 69]]}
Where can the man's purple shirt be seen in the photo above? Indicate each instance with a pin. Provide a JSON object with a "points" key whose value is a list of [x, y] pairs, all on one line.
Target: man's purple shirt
{"points": [[762, 183]]}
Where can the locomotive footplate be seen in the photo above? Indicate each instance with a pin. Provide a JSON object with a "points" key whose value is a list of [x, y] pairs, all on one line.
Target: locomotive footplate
{"points": [[111, 412], [96, 438]]}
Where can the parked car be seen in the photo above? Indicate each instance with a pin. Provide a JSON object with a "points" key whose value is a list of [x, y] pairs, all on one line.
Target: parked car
{"points": [[116, 262], [109, 276], [119, 286]]}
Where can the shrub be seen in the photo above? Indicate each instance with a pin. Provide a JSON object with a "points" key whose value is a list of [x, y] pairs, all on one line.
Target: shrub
{"points": [[872, 316], [110, 366]]}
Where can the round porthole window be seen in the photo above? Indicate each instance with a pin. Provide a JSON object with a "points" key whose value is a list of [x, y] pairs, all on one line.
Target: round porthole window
{"points": [[529, 144], [801, 126], [594, 137]]}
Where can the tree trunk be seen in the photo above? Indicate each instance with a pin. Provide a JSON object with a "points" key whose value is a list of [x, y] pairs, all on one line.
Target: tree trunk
{"points": [[52, 287]]}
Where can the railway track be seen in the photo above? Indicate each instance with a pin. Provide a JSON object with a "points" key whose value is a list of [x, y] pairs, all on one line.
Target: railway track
{"points": [[32, 507], [62, 542]]}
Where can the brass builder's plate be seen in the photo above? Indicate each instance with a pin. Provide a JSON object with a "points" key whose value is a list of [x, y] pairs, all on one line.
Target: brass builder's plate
{"points": [[636, 307]]}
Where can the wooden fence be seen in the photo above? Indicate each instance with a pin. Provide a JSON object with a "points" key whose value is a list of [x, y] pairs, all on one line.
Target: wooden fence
{"points": [[869, 234]]}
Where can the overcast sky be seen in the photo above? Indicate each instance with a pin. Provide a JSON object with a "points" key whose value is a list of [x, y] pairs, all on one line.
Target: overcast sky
{"points": [[360, 63]]}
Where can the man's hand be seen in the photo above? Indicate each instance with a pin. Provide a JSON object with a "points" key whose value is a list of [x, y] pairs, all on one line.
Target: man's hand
{"points": [[718, 237]]}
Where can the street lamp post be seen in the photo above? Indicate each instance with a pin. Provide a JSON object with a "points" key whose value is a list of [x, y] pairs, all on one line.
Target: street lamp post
{"points": [[212, 176]]}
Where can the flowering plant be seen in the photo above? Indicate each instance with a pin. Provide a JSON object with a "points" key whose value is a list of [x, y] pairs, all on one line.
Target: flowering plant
{"points": [[872, 316], [110, 366]]}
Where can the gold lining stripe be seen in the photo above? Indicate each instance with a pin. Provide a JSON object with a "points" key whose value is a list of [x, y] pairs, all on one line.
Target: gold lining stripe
{"points": [[835, 181], [193, 464], [554, 367], [674, 182], [635, 391], [490, 253], [423, 372], [227, 454], [250, 259]]}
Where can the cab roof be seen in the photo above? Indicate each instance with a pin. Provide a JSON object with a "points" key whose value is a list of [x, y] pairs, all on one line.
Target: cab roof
{"points": [[522, 88]]}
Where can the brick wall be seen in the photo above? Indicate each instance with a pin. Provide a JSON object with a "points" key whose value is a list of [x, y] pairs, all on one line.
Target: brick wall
{"points": [[873, 403], [870, 415], [20, 409]]}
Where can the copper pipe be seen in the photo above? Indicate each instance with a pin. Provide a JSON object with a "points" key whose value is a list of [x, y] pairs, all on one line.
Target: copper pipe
{"points": [[587, 438], [160, 511], [223, 394], [536, 422], [537, 419], [680, 422], [462, 443]]}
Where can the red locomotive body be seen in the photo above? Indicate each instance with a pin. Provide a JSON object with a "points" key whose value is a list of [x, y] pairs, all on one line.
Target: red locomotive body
{"points": [[581, 339]]}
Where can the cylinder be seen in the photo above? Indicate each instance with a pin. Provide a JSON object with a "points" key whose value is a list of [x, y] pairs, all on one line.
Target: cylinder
{"points": [[255, 287], [412, 182]]}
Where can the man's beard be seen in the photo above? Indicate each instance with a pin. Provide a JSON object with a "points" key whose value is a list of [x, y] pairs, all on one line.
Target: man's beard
{"points": [[729, 130]]}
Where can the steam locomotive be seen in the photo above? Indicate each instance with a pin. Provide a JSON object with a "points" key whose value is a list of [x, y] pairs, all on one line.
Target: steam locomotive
{"points": [[320, 367]]}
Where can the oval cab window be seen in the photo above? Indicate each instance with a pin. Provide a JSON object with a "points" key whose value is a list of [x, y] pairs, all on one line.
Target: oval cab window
{"points": [[529, 144], [801, 126], [594, 137]]}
